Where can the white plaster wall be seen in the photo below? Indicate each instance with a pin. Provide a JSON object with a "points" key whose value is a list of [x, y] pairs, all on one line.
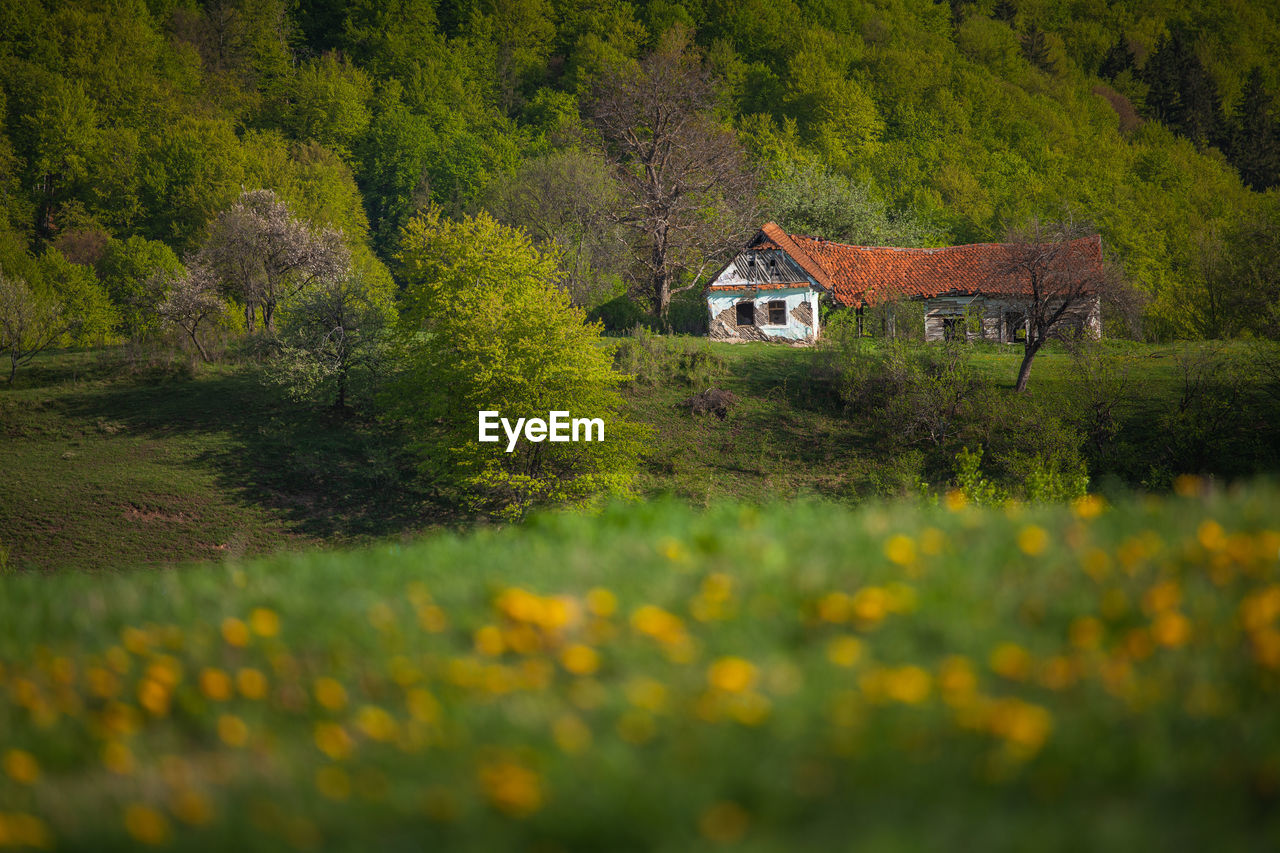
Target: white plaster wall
{"points": [[719, 301]]}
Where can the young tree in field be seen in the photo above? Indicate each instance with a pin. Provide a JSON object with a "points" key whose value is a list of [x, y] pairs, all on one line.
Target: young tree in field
{"points": [[56, 303], [193, 303], [262, 255], [29, 323], [335, 333], [485, 328], [688, 196], [1062, 266]]}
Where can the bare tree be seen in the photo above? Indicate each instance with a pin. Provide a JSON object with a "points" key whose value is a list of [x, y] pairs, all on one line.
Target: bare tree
{"points": [[688, 196], [193, 302], [261, 254], [1060, 268], [565, 199]]}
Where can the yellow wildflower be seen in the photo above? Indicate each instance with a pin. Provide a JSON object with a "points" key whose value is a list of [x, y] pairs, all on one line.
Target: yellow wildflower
{"points": [[235, 632], [900, 549], [1211, 535], [1024, 725], [135, 640], [215, 684], [931, 541], [580, 660], [844, 650], [333, 740], [870, 604], [376, 723], [646, 693], [146, 824], [24, 830], [571, 734], [488, 641], [153, 696], [117, 758], [232, 730], [512, 789], [432, 619], [1171, 629], [381, 616], [264, 622], [956, 679], [102, 682], [422, 705], [1161, 597], [1033, 540], [1085, 632], [835, 607], [672, 549], [601, 602], [251, 683], [749, 708], [21, 766], [1088, 506], [907, 684], [657, 623], [1096, 564], [1011, 661], [732, 674], [330, 693], [1187, 485], [956, 500]]}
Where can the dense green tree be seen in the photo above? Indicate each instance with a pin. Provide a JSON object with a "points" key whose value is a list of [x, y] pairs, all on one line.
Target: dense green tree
{"points": [[135, 273], [47, 301], [327, 102], [808, 199], [1255, 135], [485, 328], [564, 200]]}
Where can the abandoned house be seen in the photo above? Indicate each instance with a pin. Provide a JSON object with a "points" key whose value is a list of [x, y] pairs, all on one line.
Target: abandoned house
{"points": [[772, 289]]}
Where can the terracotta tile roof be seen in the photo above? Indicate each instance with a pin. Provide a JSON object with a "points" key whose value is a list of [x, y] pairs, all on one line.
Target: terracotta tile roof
{"points": [[872, 274]]}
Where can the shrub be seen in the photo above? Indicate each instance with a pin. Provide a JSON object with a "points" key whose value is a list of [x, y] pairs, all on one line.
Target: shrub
{"points": [[651, 359], [485, 328]]}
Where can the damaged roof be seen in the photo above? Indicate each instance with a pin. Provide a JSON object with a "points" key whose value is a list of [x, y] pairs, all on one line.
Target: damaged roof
{"points": [[868, 275]]}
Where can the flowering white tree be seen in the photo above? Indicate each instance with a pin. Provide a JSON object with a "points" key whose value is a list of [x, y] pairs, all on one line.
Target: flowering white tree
{"points": [[261, 255], [192, 303]]}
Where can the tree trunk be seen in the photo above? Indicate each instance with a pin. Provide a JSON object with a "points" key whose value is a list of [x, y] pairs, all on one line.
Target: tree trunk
{"points": [[662, 300], [1024, 371]]}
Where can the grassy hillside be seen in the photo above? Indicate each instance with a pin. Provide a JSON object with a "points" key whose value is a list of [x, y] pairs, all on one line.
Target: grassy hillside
{"points": [[793, 676], [110, 467]]}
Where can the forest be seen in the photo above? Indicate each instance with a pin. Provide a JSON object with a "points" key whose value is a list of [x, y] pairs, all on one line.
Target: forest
{"points": [[130, 126]]}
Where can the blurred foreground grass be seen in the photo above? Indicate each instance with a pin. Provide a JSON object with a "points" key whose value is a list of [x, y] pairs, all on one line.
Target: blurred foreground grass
{"points": [[801, 676]]}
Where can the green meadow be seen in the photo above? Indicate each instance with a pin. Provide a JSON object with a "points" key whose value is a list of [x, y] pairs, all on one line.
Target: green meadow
{"points": [[789, 676]]}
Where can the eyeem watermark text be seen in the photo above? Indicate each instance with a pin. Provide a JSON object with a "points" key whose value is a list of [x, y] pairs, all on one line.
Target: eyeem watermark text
{"points": [[557, 427]]}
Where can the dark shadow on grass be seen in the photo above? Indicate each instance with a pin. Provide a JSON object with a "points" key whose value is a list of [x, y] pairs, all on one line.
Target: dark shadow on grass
{"points": [[332, 477]]}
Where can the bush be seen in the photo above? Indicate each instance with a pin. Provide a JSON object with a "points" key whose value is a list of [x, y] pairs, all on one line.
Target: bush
{"points": [[619, 315], [651, 359], [484, 328]]}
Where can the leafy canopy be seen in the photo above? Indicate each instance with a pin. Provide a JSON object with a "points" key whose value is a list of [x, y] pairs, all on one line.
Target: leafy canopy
{"points": [[485, 328]]}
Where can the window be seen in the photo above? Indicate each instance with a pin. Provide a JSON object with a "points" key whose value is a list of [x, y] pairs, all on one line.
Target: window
{"points": [[1015, 327], [953, 329], [746, 313], [778, 312]]}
